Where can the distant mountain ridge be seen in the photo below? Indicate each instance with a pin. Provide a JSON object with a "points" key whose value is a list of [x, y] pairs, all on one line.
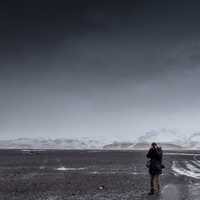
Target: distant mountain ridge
{"points": [[168, 139], [41, 143], [140, 146]]}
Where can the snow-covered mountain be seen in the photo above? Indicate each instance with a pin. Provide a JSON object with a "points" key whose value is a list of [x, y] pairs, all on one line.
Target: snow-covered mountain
{"points": [[193, 141], [163, 136], [41, 143], [169, 139], [139, 146]]}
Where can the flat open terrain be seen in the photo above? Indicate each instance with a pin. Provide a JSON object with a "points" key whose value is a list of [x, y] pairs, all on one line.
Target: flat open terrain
{"points": [[94, 175]]}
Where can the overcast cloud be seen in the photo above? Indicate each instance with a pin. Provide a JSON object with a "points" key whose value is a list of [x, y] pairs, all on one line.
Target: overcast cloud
{"points": [[99, 68]]}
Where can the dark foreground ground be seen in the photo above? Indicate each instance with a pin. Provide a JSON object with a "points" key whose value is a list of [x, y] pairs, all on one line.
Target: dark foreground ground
{"points": [[94, 175]]}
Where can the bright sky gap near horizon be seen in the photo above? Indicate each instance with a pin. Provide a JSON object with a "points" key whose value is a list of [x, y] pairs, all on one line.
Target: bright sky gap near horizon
{"points": [[111, 69]]}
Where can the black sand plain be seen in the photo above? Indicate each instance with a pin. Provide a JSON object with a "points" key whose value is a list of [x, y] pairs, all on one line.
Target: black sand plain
{"points": [[93, 175]]}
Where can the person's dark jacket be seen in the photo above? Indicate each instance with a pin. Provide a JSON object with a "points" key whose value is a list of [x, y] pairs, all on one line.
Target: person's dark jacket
{"points": [[155, 156]]}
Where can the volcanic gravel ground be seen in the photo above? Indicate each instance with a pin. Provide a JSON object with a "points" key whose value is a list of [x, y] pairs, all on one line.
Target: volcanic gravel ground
{"points": [[94, 175]]}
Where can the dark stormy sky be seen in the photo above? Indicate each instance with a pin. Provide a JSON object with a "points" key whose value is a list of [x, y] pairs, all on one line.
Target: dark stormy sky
{"points": [[95, 68]]}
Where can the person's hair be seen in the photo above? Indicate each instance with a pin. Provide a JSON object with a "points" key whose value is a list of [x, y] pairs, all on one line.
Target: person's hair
{"points": [[153, 144]]}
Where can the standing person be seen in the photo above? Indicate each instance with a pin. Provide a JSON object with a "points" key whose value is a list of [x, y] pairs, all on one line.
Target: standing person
{"points": [[155, 167]]}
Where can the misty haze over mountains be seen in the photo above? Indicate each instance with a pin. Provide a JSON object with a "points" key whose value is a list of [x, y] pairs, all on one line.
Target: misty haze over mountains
{"points": [[169, 139]]}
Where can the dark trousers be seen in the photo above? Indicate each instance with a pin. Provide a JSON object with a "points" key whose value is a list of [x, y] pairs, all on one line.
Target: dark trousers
{"points": [[155, 183]]}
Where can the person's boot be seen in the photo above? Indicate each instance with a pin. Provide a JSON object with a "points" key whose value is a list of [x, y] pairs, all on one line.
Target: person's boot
{"points": [[151, 192]]}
